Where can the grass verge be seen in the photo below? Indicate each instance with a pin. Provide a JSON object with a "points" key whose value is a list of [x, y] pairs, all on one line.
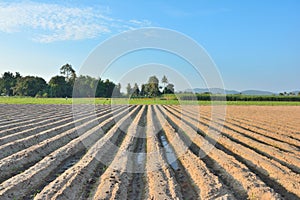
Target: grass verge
{"points": [[146, 101]]}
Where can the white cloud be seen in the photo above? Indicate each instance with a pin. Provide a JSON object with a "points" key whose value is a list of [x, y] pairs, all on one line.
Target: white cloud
{"points": [[53, 22]]}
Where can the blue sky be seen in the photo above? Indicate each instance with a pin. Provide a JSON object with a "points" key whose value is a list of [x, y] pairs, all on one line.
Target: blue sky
{"points": [[255, 44]]}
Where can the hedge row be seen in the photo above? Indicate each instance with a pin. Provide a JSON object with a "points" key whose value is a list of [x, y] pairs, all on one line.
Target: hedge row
{"points": [[202, 97]]}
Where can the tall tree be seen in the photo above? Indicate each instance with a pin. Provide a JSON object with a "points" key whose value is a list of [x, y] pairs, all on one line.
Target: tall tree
{"points": [[100, 91], [86, 86], [110, 86], [169, 89], [135, 90], [153, 89], [17, 76], [129, 89], [69, 72], [165, 81], [143, 91], [9, 81], [117, 91], [1, 86], [59, 87], [119, 86], [153, 80]]}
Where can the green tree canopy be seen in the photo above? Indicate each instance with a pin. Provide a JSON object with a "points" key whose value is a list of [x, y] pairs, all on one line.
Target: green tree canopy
{"points": [[8, 82], [144, 90], [69, 72], [135, 90], [87, 86], [152, 86], [30, 86], [129, 89], [169, 89], [164, 80], [153, 80], [117, 90], [59, 87]]}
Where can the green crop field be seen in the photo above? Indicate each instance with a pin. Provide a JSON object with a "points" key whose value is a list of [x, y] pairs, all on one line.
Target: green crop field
{"points": [[142, 101]]}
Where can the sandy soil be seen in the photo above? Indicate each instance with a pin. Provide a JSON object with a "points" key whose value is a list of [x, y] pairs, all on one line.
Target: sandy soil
{"points": [[150, 152]]}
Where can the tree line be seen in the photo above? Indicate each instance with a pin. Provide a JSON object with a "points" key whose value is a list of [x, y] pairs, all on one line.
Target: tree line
{"points": [[237, 97], [67, 84], [13, 84], [151, 88]]}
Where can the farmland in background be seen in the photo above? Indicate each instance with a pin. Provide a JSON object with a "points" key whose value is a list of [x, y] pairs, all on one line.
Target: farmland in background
{"points": [[139, 101]]}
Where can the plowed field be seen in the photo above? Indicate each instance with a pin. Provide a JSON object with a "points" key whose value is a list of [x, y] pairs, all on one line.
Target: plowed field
{"points": [[149, 152]]}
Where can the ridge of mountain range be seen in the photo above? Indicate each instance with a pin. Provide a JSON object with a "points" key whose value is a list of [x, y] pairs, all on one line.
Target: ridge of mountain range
{"points": [[246, 92]]}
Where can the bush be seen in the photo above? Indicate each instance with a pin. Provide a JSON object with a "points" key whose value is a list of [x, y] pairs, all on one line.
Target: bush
{"points": [[238, 97], [45, 95]]}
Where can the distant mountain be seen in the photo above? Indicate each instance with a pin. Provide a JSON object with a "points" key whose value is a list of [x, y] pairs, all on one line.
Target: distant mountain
{"points": [[256, 92], [212, 90], [221, 91]]}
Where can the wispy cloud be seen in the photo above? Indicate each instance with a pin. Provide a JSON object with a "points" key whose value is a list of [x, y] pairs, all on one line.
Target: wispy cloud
{"points": [[47, 22]]}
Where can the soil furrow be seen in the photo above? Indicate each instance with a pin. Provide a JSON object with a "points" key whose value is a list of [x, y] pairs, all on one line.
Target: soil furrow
{"points": [[77, 182], [161, 182], [32, 117], [15, 163], [137, 185], [287, 159], [258, 120], [239, 177], [90, 152], [32, 177], [26, 132], [117, 178], [278, 177], [24, 143], [208, 185], [280, 141]]}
